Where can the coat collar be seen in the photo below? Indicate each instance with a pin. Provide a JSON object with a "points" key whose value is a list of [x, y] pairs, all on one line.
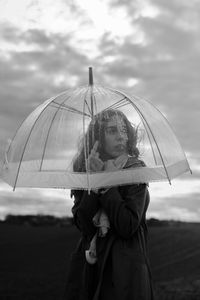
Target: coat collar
{"points": [[134, 162]]}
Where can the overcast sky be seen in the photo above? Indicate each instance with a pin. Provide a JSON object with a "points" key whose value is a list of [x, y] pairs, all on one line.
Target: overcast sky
{"points": [[148, 48]]}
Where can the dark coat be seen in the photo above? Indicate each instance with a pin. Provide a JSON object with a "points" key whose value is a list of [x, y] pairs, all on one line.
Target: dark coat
{"points": [[122, 270]]}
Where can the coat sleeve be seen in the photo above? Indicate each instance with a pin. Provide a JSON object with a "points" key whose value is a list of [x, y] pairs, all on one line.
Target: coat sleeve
{"points": [[84, 209], [125, 214]]}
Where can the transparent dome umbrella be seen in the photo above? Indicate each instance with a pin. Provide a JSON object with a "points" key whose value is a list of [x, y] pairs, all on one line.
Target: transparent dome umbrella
{"points": [[43, 150]]}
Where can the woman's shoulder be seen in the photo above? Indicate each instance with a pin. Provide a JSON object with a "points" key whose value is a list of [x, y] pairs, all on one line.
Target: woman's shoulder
{"points": [[134, 162]]}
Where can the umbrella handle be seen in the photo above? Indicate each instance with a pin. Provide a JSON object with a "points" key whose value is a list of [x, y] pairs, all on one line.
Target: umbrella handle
{"points": [[90, 76]]}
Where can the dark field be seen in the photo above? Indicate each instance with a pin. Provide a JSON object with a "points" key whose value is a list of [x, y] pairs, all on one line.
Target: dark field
{"points": [[34, 261]]}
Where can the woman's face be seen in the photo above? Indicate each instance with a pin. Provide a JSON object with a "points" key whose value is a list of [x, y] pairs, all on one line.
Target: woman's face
{"points": [[116, 137]]}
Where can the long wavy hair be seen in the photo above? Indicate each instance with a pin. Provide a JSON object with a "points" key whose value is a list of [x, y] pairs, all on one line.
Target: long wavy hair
{"points": [[96, 132]]}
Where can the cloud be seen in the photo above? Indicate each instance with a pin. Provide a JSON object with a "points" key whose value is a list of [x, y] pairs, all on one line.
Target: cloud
{"points": [[178, 201], [165, 65], [174, 213], [34, 201], [180, 187], [155, 55], [30, 76], [167, 202], [40, 53]]}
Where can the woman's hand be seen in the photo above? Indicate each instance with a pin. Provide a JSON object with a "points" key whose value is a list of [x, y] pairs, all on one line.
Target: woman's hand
{"points": [[109, 165], [94, 162], [116, 164]]}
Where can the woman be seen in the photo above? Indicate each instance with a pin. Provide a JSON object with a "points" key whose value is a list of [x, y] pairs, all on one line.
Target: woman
{"points": [[120, 269]]}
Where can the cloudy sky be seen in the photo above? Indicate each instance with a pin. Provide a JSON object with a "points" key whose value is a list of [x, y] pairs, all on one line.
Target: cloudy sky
{"points": [[148, 48]]}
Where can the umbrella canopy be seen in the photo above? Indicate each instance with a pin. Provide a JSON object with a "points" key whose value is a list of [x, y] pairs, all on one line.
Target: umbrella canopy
{"points": [[44, 149]]}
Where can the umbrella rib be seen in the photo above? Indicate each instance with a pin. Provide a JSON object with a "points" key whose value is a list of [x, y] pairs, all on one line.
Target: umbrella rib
{"points": [[154, 156], [20, 162], [60, 106], [99, 90], [121, 105], [153, 139], [52, 99], [115, 105], [16, 134], [85, 101], [172, 131], [84, 138], [47, 137], [95, 104], [69, 108], [146, 130], [143, 118]]}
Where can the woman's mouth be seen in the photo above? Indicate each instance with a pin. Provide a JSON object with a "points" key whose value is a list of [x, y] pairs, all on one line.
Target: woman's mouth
{"points": [[120, 147]]}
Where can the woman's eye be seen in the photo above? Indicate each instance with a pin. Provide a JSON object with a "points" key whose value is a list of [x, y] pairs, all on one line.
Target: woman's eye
{"points": [[115, 130], [124, 130], [111, 130]]}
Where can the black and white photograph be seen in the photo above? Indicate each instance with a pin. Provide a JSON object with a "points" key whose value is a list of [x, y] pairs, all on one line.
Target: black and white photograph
{"points": [[99, 150]]}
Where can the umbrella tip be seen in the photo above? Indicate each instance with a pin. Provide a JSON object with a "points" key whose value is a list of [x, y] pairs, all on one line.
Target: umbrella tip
{"points": [[90, 76]]}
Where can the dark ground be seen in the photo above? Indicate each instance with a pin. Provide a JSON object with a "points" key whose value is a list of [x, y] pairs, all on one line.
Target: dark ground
{"points": [[34, 261]]}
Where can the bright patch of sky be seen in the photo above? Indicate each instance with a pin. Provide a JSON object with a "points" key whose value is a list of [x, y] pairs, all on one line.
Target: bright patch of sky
{"points": [[178, 188], [84, 20], [59, 203], [147, 10], [176, 213], [95, 28]]}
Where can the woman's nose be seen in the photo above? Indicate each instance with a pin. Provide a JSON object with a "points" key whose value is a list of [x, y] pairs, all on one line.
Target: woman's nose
{"points": [[120, 135]]}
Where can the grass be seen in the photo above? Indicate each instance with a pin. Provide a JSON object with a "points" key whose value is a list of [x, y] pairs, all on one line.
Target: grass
{"points": [[34, 261]]}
